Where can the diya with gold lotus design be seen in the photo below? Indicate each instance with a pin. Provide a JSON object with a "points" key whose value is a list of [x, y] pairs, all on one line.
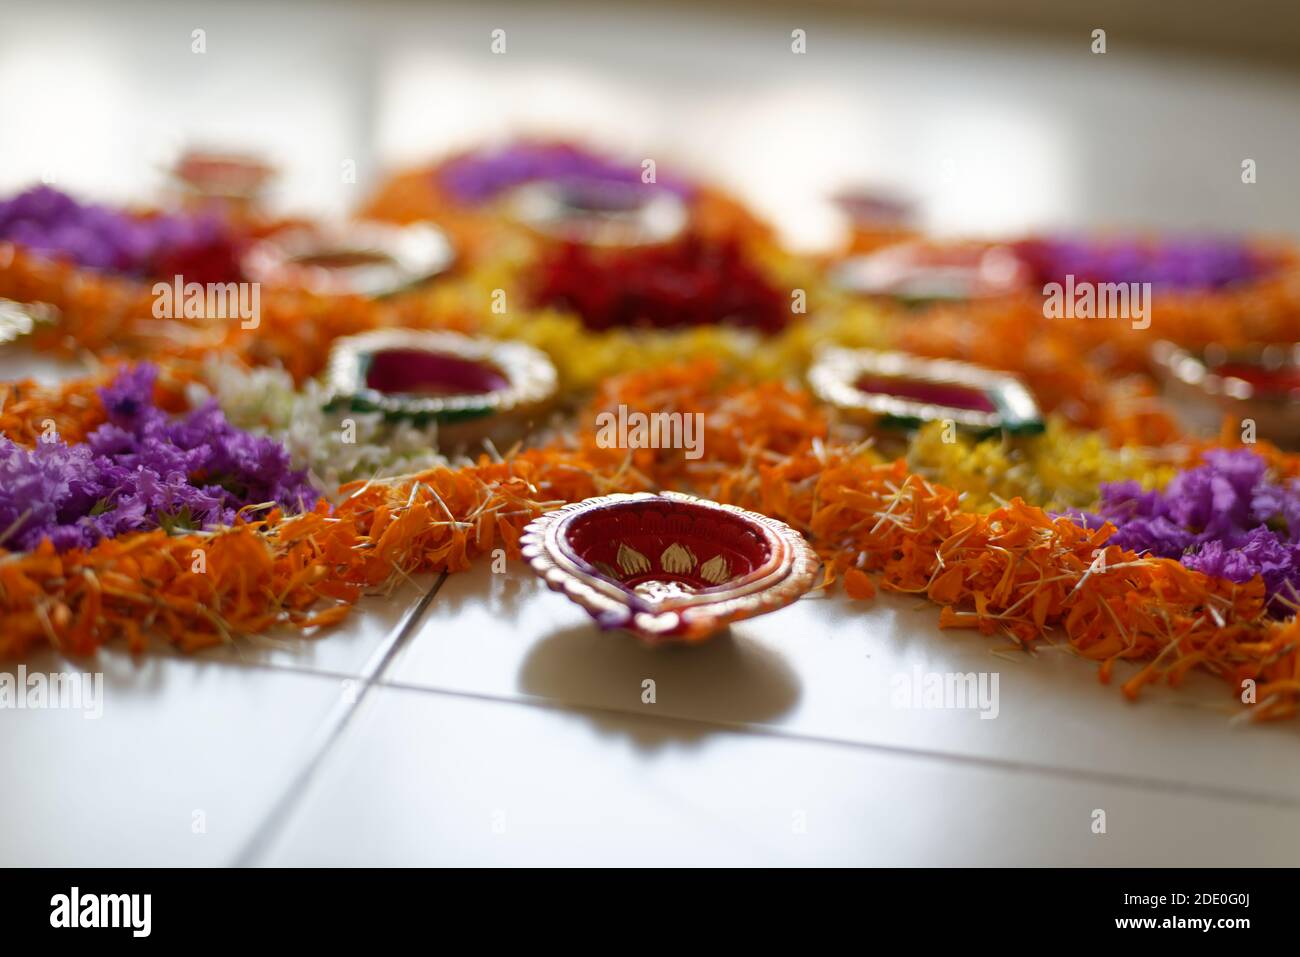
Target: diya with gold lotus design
{"points": [[472, 388], [668, 566]]}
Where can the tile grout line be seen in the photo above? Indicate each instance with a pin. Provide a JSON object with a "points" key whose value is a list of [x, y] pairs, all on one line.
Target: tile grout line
{"points": [[330, 730], [771, 731], [1132, 781], [377, 664]]}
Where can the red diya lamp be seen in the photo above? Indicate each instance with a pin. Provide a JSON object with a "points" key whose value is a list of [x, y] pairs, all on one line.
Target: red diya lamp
{"points": [[1260, 383], [472, 388], [668, 567], [599, 212], [364, 258], [922, 272], [899, 390]]}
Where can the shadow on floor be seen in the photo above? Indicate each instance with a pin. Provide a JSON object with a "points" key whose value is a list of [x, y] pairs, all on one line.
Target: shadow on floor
{"points": [[724, 680]]}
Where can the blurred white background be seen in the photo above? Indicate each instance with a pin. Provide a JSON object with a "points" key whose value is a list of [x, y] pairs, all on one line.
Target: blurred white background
{"points": [[994, 130]]}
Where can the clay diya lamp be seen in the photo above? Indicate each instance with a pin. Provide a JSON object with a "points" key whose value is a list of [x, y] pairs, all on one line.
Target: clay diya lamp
{"points": [[918, 273], [235, 180], [876, 217], [898, 390], [597, 212], [1260, 383], [471, 388], [668, 567], [363, 258]]}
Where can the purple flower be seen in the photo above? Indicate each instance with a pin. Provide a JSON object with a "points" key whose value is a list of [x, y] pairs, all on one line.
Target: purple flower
{"points": [[1213, 498], [1155, 536], [41, 489], [129, 392], [1278, 507], [1224, 518], [1178, 263], [141, 470], [54, 224], [1125, 500], [1220, 561], [480, 176]]}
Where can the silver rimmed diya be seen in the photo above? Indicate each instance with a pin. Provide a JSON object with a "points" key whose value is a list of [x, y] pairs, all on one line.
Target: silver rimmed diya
{"points": [[917, 273], [668, 567], [898, 390], [363, 258], [1256, 383], [599, 212], [472, 388]]}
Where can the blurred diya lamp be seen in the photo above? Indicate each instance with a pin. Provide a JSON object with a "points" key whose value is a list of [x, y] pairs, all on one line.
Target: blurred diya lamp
{"points": [[876, 217], [1259, 383], [235, 179], [668, 567], [364, 258], [921, 272], [598, 212], [18, 319], [472, 388], [898, 390]]}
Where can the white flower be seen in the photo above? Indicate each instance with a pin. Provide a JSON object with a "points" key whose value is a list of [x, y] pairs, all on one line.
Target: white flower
{"points": [[336, 447]]}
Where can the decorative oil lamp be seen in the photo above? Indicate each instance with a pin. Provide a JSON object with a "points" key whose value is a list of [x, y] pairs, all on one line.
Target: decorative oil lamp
{"points": [[472, 388], [668, 567], [876, 217], [599, 212], [235, 181], [898, 390], [916, 273], [364, 258], [1259, 383]]}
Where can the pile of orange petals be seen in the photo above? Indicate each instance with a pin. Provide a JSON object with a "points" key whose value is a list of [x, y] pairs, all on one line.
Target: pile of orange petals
{"points": [[742, 424], [305, 571], [1078, 368], [1020, 573], [112, 317], [31, 412], [1015, 572], [192, 590]]}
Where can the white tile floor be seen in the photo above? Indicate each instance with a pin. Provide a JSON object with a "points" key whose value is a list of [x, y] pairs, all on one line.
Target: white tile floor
{"points": [[180, 767], [491, 724], [433, 778]]}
